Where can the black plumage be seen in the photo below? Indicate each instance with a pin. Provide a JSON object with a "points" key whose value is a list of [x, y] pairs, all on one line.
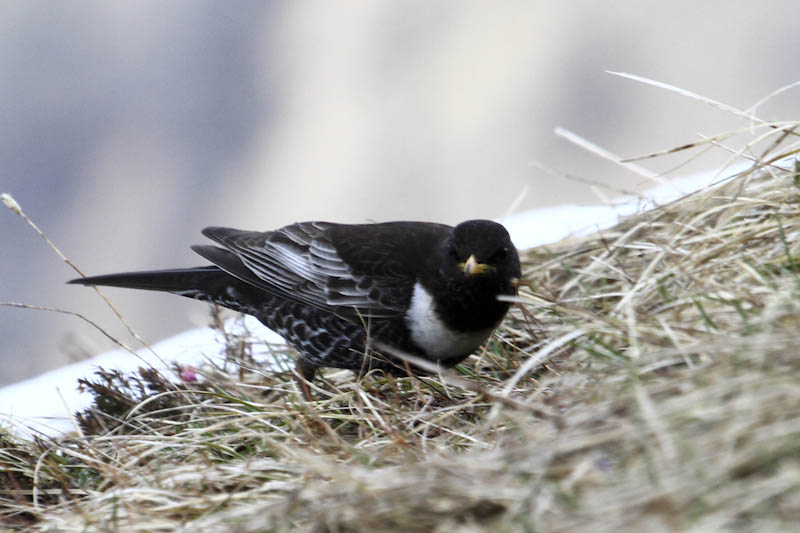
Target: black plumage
{"points": [[329, 289]]}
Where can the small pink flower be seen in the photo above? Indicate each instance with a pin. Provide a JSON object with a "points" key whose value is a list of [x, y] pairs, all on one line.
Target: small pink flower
{"points": [[189, 374]]}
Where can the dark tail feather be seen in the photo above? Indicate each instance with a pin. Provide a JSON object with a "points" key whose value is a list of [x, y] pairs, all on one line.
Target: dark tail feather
{"points": [[207, 283], [174, 280]]}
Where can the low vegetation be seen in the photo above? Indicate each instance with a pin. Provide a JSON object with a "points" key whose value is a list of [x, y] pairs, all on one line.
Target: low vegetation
{"points": [[648, 378]]}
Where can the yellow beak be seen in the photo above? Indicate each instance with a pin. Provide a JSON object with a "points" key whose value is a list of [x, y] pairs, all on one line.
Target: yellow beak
{"points": [[472, 267]]}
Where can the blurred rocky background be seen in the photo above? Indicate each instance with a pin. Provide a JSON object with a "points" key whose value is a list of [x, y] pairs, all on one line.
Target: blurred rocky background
{"points": [[126, 127]]}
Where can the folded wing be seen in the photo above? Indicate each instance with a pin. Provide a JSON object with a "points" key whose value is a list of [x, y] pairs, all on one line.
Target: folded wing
{"points": [[302, 262]]}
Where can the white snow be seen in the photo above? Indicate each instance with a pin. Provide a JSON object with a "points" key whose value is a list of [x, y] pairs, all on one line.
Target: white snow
{"points": [[551, 224]]}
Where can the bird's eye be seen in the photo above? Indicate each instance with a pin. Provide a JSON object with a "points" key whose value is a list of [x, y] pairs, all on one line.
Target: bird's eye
{"points": [[499, 255], [453, 253]]}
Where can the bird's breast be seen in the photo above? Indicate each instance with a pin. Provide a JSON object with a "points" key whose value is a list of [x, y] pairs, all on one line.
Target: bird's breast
{"points": [[430, 333]]}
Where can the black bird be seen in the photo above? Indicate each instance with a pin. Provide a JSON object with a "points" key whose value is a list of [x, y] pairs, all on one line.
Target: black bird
{"points": [[427, 289]]}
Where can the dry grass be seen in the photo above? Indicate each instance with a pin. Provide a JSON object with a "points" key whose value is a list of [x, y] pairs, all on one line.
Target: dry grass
{"points": [[648, 379]]}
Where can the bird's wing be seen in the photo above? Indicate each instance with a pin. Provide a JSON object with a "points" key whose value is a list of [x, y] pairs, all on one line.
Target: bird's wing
{"points": [[351, 270]]}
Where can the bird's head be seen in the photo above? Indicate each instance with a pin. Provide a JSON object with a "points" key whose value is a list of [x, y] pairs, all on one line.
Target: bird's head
{"points": [[481, 251]]}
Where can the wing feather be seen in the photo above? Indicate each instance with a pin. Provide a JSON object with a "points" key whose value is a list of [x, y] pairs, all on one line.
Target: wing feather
{"points": [[301, 262]]}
